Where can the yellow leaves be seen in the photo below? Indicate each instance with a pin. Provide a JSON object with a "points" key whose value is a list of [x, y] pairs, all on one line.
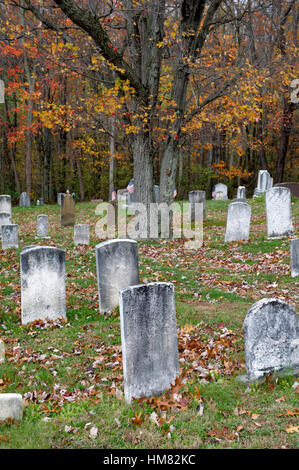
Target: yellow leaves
{"points": [[292, 429]]}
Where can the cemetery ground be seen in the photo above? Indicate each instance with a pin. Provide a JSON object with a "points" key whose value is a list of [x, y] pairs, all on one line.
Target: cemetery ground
{"points": [[70, 373]]}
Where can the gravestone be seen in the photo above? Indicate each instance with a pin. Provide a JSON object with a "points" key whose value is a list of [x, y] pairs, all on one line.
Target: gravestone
{"points": [[221, 188], [219, 196], [149, 339], [294, 255], [264, 182], [5, 219], [9, 236], [42, 283], [2, 352], [11, 406], [42, 230], [81, 234], [59, 197], [117, 268], [67, 211], [5, 204], [241, 192], [278, 212], [271, 337], [237, 222], [197, 197], [24, 200]]}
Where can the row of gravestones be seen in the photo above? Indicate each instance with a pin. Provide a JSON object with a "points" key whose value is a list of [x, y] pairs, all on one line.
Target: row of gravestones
{"points": [[147, 319]]}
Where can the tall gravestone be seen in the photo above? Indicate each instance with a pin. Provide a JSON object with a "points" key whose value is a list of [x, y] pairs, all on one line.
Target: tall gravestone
{"points": [[42, 284], [264, 182], [221, 191], [241, 192], [237, 222], [117, 268], [42, 230], [24, 200], [149, 339], [196, 197], [67, 211], [5, 219], [5, 204], [294, 255], [9, 236], [81, 234], [278, 212], [271, 337]]}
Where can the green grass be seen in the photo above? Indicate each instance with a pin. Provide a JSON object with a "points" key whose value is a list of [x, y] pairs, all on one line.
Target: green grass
{"points": [[80, 360]]}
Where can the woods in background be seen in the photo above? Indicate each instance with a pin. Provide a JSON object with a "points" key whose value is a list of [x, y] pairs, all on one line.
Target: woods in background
{"points": [[183, 92]]}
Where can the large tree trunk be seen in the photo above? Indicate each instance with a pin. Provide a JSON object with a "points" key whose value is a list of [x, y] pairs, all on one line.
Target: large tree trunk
{"points": [[286, 126]]}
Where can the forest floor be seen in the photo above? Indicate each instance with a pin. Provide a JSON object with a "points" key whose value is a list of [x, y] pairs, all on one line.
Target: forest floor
{"points": [[70, 373]]}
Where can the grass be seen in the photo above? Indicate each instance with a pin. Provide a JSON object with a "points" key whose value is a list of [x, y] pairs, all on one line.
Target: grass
{"points": [[70, 374]]}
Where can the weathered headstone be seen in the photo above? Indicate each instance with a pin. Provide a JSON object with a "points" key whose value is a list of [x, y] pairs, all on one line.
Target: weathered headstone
{"points": [[5, 204], [68, 211], [294, 255], [42, 230], [278, 212], [219, 196], [2, 352], [9, 236], [24, 200], [264, 182], [117, 268], [11, 406], [42, 283], [5, 219], [194, 198], [81, 234], [221, 188], [241, 192], [237, 222], [271, 337], [149, 339]]}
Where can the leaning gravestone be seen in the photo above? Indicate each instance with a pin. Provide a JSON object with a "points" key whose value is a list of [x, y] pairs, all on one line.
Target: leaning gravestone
{"points": [[24, 200], [5, 203], [278, 212], [42, 230], [42, 283], [117, 268], [9, 236], [149, 339], [237, 222], [5, 219], [271, 337], [197, 197], [294, 255], [221, 188], [11, 406], [241, 192], [81, 234]]}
